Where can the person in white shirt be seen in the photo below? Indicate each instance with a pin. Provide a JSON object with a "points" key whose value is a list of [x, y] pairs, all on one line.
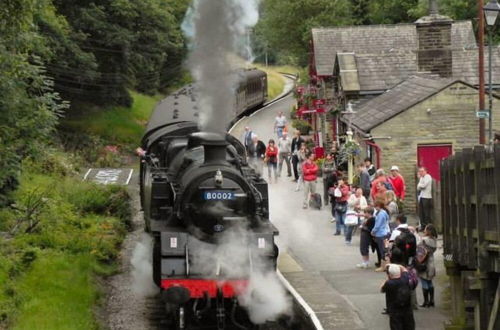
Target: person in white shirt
{"points": [[279, 124], [355, 206], [424, 188], [284, 147], [247, 137]]}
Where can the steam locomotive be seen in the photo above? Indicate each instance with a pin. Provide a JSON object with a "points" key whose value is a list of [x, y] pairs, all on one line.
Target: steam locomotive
{"points": [[197, 193]]}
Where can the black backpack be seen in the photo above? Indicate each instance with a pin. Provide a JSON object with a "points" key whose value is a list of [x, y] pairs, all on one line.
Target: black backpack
{"points": [[406, 242], [403, 298]]}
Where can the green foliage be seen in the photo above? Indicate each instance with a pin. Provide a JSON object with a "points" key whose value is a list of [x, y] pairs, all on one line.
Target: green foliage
{"points": [[128, 127], [78, 232], [301, 125], [286, 25], [29, 107]]}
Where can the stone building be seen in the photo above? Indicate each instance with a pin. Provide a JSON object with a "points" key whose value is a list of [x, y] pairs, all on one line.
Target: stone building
{"points": [[420, 121], [358, 63]]}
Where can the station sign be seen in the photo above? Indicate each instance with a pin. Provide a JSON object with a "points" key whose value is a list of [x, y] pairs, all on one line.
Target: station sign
{"points": [[483, 114]]}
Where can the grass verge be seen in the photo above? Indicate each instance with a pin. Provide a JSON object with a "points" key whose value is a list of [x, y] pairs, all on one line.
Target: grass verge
{"points": [[276, 81], [127, 123], [57, 237]]}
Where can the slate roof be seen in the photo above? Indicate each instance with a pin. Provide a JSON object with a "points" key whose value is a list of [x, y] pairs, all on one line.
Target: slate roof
{"points": [[465, 65], [348, 71], [376, 39], [396, 100]]}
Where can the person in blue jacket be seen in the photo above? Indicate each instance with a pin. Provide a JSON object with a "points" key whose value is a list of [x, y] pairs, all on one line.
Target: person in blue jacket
{"points": [[381, 231]]}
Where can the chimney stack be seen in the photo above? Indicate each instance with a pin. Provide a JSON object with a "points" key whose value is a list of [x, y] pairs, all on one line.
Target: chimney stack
{"points": [[434, 43]]}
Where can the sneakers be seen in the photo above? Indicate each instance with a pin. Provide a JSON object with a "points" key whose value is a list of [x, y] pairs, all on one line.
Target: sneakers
{"points": [[304, 206], [347, 242], [362, 265], [332, 220], [380, 269]]}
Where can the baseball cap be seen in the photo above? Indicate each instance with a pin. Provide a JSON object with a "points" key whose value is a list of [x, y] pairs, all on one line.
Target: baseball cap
{"points": [[394, 271], [394, 168]]}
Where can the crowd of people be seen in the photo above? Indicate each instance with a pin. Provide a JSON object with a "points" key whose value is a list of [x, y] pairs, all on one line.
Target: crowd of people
{"points": [[372, 206]]}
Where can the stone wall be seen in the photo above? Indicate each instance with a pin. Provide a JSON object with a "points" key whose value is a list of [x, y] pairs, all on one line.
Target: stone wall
{"points": [[448, 117]]}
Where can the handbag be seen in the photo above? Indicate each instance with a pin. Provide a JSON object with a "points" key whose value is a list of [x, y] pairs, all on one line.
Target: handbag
{"points": [[351, 219], [341, 208], [337, 193]]}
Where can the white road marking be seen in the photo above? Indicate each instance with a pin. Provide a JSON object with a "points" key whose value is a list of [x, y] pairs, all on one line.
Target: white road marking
{"points": [[129, 176], [87, 174]]}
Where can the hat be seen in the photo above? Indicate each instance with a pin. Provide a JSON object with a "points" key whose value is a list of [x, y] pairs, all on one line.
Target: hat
{"points": [[394, 271], [394, 168]]}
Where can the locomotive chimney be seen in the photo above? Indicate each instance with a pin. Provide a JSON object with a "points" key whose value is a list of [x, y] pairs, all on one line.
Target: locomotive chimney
{"points": [[214, 146]]}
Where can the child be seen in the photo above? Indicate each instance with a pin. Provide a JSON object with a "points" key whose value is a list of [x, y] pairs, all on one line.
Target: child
{"points": [[366, 237]]}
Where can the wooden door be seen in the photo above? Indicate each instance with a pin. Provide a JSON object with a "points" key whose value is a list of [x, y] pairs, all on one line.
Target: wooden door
{"points": [[429, 156]]}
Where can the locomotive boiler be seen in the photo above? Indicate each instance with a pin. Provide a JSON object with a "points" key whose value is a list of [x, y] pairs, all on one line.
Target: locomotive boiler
{"points": [[207, 212]]}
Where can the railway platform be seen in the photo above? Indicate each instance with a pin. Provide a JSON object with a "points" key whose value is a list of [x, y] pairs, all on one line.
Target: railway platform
{"points": [[319, 266]]}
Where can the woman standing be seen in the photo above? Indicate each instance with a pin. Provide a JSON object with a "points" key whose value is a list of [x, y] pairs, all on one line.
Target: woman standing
{"points": [[426, 260], [341, 194], [392, 207], [355, 205], [381, 230], [272, 160], [301, 156]]}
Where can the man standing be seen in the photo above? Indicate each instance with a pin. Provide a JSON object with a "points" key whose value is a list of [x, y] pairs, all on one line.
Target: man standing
{"points": [[257, 152], [310, 172], [284, 146], [296, 143], [329, 170], [247, 137], [397, 291], [279, 124], [424, 188], [364, 180], [378, 185], [370, 168], [398, 183]]}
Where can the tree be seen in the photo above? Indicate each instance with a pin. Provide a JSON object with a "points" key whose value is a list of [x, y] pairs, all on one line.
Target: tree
{"points": [[286, 25], [28, 107]]}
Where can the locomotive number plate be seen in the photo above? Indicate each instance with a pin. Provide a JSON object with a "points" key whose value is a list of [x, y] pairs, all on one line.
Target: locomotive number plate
{"points": [[212, 195]]}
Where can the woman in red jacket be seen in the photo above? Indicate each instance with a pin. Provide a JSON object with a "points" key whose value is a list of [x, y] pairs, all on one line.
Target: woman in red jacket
{"points": [[272, 160], [310, 174]]}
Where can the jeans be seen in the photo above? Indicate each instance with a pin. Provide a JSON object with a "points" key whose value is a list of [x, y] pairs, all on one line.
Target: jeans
{"points": [[279, 131], [380, 246], [348, 232], [339, 224], [272, 167], [426, 284], [424, 211], [295, 163], [285, 156], [309, 188]]}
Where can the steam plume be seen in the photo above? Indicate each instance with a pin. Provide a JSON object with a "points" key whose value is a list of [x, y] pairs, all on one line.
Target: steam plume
{"points": [[215, 29]]}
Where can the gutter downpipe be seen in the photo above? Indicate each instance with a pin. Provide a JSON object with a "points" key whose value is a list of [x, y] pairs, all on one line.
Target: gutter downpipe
{"points": [[378, 151]]}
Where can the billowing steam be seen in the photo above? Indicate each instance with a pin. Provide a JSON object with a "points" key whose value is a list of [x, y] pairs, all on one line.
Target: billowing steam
{"points": [[142, 268], [236, 257], [216, 30]]}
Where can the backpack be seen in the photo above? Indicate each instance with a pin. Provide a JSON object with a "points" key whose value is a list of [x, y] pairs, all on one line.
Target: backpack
{"points": [[413, 277], [421, 259], [403, 298], [315, 201], [388, 185], [406, 242]]}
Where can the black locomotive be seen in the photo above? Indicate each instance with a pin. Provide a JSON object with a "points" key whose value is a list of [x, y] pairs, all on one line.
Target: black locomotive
{"points": [[196, 188]]}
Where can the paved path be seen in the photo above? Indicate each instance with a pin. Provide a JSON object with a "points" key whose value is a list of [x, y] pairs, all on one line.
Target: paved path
{"points": [[319, 265]]}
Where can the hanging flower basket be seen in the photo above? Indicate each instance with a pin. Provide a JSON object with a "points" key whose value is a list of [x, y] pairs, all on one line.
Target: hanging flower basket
{"points": [[349, 149]]}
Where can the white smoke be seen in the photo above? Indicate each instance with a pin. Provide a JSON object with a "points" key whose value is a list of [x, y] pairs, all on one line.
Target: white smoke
{"points": [[215, 30], [235, 257], [142, 268]]}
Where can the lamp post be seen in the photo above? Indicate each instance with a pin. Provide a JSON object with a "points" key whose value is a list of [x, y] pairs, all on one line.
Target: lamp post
{"points": [[491, 13], [350, 166]]}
